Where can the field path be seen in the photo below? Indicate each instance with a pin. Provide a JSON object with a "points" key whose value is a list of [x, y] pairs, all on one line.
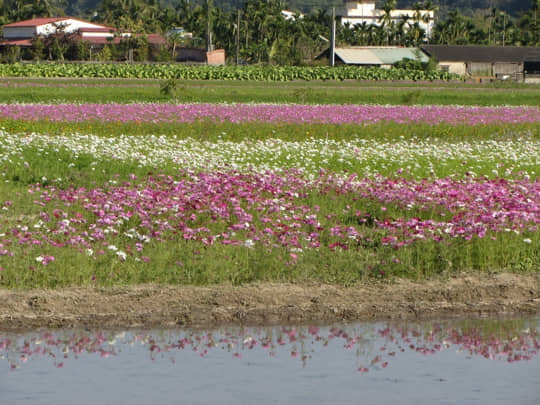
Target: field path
{"points": [[149, 306]]}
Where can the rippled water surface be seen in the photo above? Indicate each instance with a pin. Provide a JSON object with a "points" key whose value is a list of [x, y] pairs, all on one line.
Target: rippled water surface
{"points": [[445, 362]]}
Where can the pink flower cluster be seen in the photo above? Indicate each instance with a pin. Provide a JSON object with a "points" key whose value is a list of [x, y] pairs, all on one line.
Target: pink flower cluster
{"points": [[271, 113], [244, 209], [457, 208]]}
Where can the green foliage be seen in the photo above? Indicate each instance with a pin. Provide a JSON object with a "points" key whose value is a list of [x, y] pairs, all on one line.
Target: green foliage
{"points": [[168, 87], [12, 54], [412, 97], [105, 54], [185, 72], [415, 64], [79, 51], [38, 49]]}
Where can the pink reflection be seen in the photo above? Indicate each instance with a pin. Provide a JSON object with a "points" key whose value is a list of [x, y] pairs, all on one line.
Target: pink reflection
{"points": [[374, 345]]}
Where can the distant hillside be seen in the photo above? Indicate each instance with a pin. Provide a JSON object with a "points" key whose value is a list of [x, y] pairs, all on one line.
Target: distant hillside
{"points": [[466, 7]]}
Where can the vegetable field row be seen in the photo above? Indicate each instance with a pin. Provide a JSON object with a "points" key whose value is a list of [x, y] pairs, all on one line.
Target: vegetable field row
{"points": [[257, 73]]}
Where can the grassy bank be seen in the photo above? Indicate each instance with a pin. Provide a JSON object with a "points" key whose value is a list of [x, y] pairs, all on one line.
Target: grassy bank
{"points": [[350, 92]]}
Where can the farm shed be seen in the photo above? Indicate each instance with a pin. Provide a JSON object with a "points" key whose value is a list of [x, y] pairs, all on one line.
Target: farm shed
{"points": [[382, 56], [518, 63], [21, 33], [29, 29]]}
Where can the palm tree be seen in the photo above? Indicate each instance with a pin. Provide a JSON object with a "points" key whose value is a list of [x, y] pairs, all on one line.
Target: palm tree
{"points": [[429, 7], [364, 33], [403, 29], [386, 18]]}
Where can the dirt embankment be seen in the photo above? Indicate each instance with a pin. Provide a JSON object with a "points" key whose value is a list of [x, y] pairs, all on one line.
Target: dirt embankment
{"points": [[150, 306]]}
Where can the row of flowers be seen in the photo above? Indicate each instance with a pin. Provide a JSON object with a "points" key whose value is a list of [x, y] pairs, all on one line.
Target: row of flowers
{"points": [[415, 157], [272, 113], [272, 210]]}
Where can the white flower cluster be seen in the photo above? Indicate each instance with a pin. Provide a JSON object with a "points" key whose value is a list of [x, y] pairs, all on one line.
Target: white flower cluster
{"points": [[415, 157]]}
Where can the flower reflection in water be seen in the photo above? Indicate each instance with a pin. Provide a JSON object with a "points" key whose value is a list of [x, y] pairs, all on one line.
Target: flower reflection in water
{"points": [[374, 345]]}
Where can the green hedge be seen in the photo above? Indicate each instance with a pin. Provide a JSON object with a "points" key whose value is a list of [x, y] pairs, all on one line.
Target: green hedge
{"points": [[185, 72]]}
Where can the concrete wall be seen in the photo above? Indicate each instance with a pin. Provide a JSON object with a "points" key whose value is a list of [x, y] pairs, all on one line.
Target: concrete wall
{"points": [[507, 68], [68, 26], [190, 55], [453, 67], [479, 68], [496, 70], [532, 79], [216, 57], [97, 34]]}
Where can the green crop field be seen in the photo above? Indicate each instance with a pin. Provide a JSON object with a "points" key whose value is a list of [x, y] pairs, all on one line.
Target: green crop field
{"points": [[14, 90]]}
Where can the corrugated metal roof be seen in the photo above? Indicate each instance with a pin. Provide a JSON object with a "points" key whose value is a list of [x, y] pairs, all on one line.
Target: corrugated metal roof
{"points": [[479, 53], [374, 55], [390, 56], [357, 56]]}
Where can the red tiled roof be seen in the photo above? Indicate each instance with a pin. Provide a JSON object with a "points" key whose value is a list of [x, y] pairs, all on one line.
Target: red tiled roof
{"points": [[34, 22], [156, 39], [18, 42], [101, 40]]}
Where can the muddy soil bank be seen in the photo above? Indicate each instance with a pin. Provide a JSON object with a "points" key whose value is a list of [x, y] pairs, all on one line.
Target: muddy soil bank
{"points": [[153, 306]]}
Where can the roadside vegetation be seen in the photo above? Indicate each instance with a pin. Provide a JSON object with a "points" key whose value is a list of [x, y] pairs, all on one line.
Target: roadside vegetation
{"points": [[35, 90]]}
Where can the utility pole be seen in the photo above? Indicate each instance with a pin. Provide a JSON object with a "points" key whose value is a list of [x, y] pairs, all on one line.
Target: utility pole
{"points": [[504, 26], [490, 22], [238, 38], [209, 45], [333, 38]]}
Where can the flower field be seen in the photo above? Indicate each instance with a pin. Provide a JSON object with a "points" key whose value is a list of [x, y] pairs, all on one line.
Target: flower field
{"points": [[343, 204], [270, 113]]}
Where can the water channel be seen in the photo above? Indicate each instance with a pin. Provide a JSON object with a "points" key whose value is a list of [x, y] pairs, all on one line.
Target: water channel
{"points": [[434, 362]]}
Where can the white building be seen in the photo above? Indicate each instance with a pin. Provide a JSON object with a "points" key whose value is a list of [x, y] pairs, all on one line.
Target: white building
{"points": [[364, 11], [291, 15], [21, 33], [46, 26]]}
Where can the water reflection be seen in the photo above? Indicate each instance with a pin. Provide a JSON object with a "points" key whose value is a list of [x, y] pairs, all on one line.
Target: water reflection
{"points": [[372, 346]]}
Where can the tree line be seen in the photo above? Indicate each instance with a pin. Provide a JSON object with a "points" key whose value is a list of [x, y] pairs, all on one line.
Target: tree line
{"points": [[256, 32]]}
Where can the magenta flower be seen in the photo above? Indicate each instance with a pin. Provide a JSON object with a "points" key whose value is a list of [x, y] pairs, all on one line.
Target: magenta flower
{"points": [[272, 113]]}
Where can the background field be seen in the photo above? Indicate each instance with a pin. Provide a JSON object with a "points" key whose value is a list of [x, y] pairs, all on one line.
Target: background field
{"points": [[43, 163], [313, 92]]}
